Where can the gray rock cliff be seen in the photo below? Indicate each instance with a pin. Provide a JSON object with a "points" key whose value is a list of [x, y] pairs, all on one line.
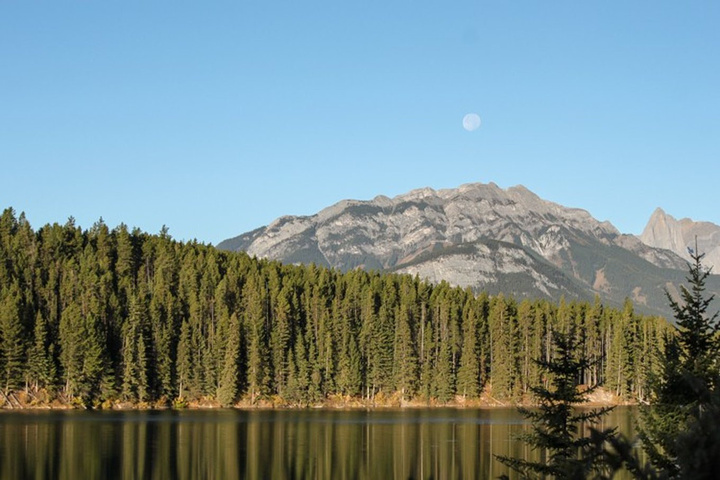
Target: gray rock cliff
{"points": [[664, 231]]}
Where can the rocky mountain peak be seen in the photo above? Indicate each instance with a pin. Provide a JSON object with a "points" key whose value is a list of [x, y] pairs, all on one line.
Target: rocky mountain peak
{"points": [[664, 231]]}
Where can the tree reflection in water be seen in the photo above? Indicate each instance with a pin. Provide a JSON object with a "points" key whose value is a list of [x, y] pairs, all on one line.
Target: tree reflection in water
{"points": [[297, 444]]}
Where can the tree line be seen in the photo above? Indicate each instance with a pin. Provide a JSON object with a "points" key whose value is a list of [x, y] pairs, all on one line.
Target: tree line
{"points": [[121, 315]]}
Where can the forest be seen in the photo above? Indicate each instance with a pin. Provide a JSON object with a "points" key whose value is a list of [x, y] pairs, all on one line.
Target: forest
{"points": [[104, 315]]}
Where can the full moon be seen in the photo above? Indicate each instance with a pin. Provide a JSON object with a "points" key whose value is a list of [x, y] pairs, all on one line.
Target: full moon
{"points": [[471, 122]]}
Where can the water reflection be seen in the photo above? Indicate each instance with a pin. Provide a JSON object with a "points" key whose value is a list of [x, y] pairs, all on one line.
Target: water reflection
{"points": [[223, 444]]}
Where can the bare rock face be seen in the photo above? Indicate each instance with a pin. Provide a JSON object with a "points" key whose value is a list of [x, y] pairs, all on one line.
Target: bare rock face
{"points": [[664, 231], [478, 236]]}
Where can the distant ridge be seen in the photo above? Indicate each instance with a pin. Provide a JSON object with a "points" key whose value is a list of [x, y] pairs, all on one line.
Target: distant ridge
{"points": [[479, 236], [664, 231]]}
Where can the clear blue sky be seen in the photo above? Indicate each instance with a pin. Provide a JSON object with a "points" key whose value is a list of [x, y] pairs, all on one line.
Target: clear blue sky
{"points": [[216, 119]]}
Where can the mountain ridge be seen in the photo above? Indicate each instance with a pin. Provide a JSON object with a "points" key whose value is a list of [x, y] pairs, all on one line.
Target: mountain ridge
{"points": [[479, 236]]}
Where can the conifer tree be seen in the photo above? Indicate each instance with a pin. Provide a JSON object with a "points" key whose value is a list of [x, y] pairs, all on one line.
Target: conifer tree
{"points": [[256, 338], [185, 360], [443, 384], [405, 356], [530, 346], [228, 387], [349, 372], [95, 376], [41, 365], [367, 337], [469, 370], [280, 339], [593, 329], [556, 426], [503, 348], [380, 366], [350, 366], [135, 386], [71, 348], [12, 344], [684, 394], [299, 384]]}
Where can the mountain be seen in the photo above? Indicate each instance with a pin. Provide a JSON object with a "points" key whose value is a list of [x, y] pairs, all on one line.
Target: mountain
{"points": [[664, 231], [477, 236]]}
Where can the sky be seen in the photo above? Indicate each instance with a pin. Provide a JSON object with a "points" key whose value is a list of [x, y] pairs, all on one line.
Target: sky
{"points": [[215, 118]]}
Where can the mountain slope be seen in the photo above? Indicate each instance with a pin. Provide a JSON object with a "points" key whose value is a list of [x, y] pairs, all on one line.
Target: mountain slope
{"points": [[479, 236]]}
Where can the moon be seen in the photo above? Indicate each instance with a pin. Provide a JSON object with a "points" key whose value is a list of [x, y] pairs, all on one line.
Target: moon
{"points": [[471, 122]]}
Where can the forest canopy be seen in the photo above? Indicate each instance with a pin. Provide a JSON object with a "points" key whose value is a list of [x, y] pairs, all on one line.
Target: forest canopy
{"points": [[117, 315]]}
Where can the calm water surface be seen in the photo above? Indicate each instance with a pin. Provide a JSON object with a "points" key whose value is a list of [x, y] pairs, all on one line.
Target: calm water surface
{"points": [[230, 444]]}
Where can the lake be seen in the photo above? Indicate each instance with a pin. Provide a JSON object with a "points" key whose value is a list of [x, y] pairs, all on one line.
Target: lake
{"points": [[437, 443]]}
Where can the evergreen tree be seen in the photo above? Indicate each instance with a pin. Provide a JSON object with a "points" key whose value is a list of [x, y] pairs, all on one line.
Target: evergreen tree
{"points": [[405, 356], [12, 342], [350, 367], [380, 360], [350, 375], [94, 384], [163, 314], [469, 371], [280, 337], [256, 338], [228, 387], [503, 347], [368, 337], [698, 446], [185, 360], [594, 352], [300, 369], [616, 351], [71, 348], [683, 395], [443, 385], [530, 342], [135, 384], [41, 365], [556, 426]]}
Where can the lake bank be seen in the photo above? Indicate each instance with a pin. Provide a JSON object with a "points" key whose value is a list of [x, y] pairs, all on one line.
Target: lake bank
{"points": [[25, 400]]}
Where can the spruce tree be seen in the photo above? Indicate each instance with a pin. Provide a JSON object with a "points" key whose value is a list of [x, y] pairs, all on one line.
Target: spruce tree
{"points": [[41, 366], [503, 347], [443, 385], [469, 370], [405, 355], [12, 345], [256, 338], [380, 362], [228, 388], [185, 360], [135, 384], [685, 393], [71, 350], [556, 425], [280, 339]]}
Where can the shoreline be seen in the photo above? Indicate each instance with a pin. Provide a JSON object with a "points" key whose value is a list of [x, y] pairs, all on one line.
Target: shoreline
{"points": [[18, 401]]}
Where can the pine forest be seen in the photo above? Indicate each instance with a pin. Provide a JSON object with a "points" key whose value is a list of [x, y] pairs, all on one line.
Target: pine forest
{"points": [[92, 317]]}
